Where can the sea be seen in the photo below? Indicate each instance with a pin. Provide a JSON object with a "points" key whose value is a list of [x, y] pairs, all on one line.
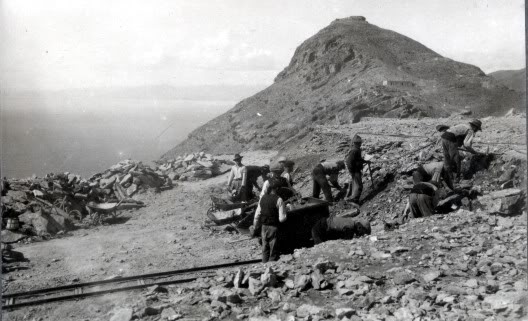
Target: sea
{"points": [[40, 137]]}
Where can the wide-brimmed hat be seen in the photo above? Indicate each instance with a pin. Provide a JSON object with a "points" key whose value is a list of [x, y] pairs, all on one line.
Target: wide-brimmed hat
{"points": [[357, 139], [281, 159], [441, 128], [237, 157], [477, 123]]}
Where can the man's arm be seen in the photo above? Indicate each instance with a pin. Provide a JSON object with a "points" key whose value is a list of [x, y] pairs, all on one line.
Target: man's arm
{"points": [[468, 141], [265, 188], [333, 181], [244, 176], [282, 210], [257, 215], [231, 176]]}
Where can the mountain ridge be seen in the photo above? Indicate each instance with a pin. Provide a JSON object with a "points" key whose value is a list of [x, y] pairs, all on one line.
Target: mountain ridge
{"points": [[348, 70]]}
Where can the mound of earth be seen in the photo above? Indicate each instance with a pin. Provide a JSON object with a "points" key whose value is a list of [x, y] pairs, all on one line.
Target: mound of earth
{"points": [[346, 71]]}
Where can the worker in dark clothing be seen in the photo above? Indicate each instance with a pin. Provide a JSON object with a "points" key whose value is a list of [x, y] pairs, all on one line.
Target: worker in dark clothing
{"points": [[270, 212], [334, 228], [355, 163], [422, 200], [320, 181], [433, 172], [461, 135], [253, 173]]}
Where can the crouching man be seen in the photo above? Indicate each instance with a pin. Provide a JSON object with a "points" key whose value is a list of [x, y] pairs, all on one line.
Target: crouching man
{"points": [[422, 200], [271, 211], [335, 228]]}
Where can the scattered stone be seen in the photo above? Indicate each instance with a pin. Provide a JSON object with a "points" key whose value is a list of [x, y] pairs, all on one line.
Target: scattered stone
{"points": [[307, 310], [255, 286], [431, 276]]}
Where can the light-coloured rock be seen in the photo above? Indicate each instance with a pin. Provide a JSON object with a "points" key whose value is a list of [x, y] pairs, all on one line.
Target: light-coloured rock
{"points": [[344, 312], [255, 286], [306, 310]]}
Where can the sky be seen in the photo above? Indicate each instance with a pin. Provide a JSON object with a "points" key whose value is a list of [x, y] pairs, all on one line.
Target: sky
{"points": [[62, 44]]}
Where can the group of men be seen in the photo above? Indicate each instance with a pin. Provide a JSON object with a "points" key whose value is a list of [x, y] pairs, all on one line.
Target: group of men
{"points": [[428, 178], [278, 181]]}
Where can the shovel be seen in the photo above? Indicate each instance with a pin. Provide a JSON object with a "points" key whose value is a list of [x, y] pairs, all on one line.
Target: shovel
{"points": [[370, 172]]}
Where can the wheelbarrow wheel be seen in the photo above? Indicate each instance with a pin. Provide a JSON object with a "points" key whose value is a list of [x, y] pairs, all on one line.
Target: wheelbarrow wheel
{"points": [[75, 215]]}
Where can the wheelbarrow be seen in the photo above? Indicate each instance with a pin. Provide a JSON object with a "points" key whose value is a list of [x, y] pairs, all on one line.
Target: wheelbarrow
{"points": [[223, 212], [98, 211]]}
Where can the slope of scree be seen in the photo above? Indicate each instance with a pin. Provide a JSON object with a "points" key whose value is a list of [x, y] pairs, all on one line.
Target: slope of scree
{"points": [[346, 71]]}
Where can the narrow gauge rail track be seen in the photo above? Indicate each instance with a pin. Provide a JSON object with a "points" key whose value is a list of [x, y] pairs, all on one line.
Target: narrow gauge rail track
{"points": [[95, 288]]}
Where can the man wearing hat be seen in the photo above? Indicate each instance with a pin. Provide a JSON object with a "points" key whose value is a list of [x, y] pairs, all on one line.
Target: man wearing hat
{"points": [[237, 180], [270, 212], [335, 228], [459, 136], [354, 163], [320, 182], [284, 188]]}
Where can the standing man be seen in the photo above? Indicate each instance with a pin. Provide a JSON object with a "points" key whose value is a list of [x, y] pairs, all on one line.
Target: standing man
{"points": [[354, 163], [320, 181], [284, 189], [455, 137], [253, 173], [288, 171], [237, 181], [433, 172], [270, 212]]}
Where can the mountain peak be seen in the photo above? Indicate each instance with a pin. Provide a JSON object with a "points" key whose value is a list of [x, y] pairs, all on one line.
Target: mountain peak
{"points": [[348, 70]]}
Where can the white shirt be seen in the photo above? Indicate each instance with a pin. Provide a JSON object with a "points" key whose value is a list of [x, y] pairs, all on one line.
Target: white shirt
{"points": [[237, 172]]}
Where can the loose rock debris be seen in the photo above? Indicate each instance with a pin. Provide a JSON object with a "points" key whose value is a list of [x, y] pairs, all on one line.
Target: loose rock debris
{"points": [[48, 205], [448, 270]]}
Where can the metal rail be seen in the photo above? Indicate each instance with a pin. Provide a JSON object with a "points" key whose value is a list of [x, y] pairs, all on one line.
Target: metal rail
{"points": [[9, 301]]}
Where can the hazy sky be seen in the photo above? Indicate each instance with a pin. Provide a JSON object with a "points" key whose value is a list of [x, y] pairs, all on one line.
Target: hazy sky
{"points": [[57, 44]]}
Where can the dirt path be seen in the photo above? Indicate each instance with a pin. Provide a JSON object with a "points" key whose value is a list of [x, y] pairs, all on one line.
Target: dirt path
{"points": [[167, 234]]}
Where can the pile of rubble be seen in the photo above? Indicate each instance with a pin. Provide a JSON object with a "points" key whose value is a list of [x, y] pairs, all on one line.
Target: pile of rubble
{"points": [[46, 205], [194, 166], [466, 265]]}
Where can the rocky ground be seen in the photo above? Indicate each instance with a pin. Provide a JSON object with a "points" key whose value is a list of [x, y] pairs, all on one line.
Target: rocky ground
{"points": [[466, 264]]}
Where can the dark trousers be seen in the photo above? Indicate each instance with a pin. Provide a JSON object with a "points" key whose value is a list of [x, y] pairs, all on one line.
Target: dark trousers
{"points": [[421, 205], [320, 182], [270, 249], [319, 231], [420, 175], [451, 157], [356, 186]]}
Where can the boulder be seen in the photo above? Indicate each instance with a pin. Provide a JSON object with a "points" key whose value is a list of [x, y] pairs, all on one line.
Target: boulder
{"points": [[268, 278], [44, 223], [307, 310], [11, 237], [507, 202], [255, 286], [132, 189]]}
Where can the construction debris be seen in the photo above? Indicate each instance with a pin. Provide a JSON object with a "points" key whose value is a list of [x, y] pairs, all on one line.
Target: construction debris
{"points": [[194, 166]]}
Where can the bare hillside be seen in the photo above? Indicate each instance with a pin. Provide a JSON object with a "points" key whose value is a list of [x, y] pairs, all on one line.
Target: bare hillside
{"points": [[348, 70]]}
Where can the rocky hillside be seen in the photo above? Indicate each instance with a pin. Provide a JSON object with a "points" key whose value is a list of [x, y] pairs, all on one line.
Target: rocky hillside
{"points": [[348, 70], [513, 79]]}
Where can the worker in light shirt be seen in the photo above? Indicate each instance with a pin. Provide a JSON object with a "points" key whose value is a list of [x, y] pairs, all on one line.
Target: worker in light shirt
{"points": [[237, 181]]}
